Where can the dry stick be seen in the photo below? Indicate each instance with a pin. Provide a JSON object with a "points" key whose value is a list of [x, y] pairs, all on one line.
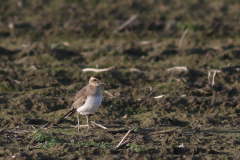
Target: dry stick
{"points": [[200, 90], [109, 93], [148, 95], [125, 116], [183, 68], [214, 74], [120, 143], [130, 141], [33, 68], [144, 42], [151, 93], [167, 131], [15, 132], [16, 81], [135, 69], [97, 70], [184, 34], [232, 49], [99, 125], [102, 114], [81, 126], [45, 125], [35, 147], [125, 24], [159, 96], [209, 74]]}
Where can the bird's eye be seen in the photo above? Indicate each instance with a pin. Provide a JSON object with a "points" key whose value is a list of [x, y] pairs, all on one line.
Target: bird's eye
{"points": [[95, 79]]}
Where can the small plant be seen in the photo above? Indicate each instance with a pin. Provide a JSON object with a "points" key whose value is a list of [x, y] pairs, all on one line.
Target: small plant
{"points": [[136, 129], [191, 26], [126, 127], [106, 146], [46, 141], [131, 111], [6, 87], [40, 137], [57, 45], [136, 148]]}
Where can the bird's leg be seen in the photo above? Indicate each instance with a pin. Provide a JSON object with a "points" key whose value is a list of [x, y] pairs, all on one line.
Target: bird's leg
{"points": [[87, 122], [78, 121]]}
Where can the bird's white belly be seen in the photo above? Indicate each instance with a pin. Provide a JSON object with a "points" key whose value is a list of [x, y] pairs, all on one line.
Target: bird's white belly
{"points": [[91, 105]]}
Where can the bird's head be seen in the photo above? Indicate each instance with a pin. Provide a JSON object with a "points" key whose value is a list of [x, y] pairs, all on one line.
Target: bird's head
{"points": [[96, 80]]}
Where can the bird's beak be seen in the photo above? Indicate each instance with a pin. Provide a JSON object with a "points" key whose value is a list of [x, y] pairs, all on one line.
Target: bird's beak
{"points": [[102, 83]]}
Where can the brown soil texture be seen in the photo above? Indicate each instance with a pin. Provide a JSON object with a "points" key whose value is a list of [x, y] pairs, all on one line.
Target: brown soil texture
{"points": [[45, 45]]}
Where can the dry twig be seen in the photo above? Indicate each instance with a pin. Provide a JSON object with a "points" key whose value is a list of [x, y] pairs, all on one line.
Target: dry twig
{"points": [[97, 70], [45, 125], [16, 81], [81, 126], [200, 90], [159, 96], [99, 125], [109, 93], [15, 132], [125, 24], [130, 141], [178, 68], [213, 77], [135, 69], [120, 143], [232, 49], [125, 116], [183, 146], [144, 42], [102, 114], [183, 35], [167, 131]]}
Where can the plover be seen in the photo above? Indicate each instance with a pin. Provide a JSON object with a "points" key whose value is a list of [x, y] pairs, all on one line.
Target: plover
{"points": [[88, 99]]}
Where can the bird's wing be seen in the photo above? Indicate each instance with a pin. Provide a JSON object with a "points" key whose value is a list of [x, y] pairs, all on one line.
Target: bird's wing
{"points": [[79, 101], [81, 93]]}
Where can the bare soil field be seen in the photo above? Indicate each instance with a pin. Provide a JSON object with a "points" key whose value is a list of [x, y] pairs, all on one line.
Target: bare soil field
{"points": [[172, 75]]}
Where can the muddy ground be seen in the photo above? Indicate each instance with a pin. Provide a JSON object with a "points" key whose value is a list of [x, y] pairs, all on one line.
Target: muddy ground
{"points": [[45, 45]]}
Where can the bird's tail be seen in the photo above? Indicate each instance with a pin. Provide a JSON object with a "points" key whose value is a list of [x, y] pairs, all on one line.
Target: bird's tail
{"points": [[69, 113]]}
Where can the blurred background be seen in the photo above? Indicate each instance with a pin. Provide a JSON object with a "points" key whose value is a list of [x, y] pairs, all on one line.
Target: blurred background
{"points": [[168, 63]]}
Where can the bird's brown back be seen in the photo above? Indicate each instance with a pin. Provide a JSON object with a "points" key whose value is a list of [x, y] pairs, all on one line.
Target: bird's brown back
{"points": [[81, 96], [79, 100]]}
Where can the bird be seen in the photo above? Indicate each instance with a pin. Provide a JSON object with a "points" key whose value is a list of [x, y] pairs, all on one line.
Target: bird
{"points": [[88, 99]]}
